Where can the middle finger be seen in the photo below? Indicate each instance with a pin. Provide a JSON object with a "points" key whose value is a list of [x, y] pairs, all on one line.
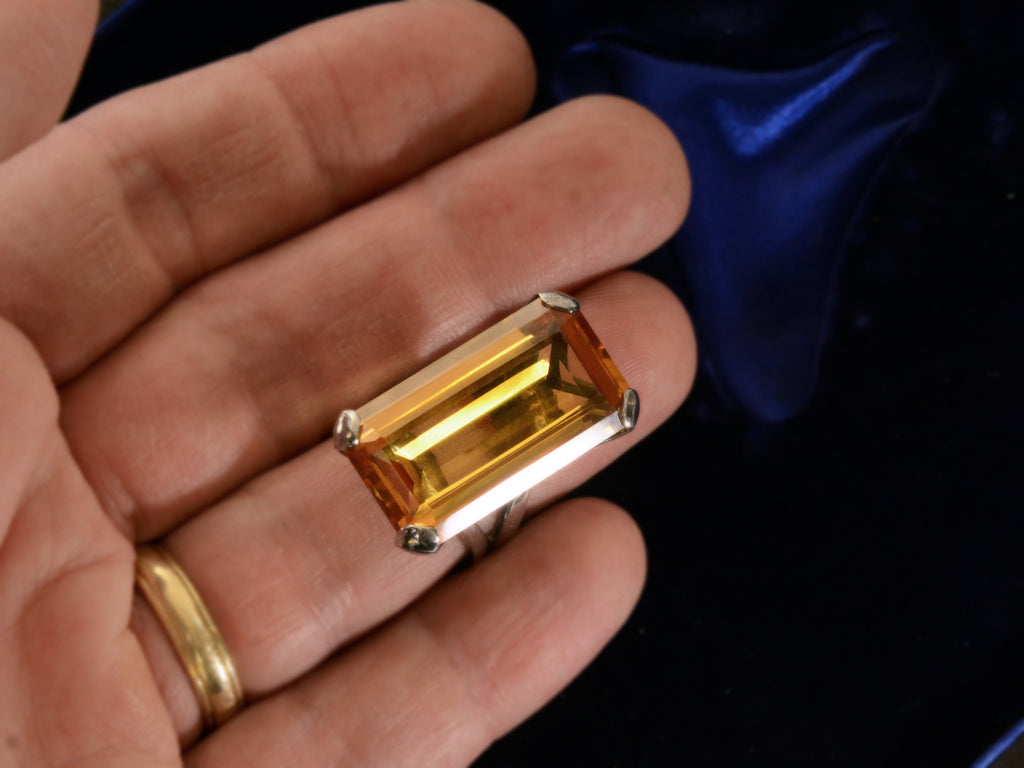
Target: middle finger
{"points": [[251, 366]]}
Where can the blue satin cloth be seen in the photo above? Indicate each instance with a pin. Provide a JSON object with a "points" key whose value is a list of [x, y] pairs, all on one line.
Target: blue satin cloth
{"points": [[781, 162], [1008, 752]]}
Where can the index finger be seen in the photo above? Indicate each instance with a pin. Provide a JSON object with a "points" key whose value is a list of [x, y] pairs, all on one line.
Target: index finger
{"points": [[107, 218]]}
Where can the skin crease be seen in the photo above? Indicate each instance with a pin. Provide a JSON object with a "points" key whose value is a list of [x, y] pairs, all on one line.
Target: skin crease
{"points": [[176, 345]]}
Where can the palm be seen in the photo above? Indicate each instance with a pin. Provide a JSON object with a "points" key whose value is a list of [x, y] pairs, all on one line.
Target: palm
{"points": [[70, 653], [197, 276]]}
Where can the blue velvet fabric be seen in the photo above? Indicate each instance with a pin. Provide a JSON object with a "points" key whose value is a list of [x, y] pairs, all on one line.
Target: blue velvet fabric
{"points": [[781, 161]]}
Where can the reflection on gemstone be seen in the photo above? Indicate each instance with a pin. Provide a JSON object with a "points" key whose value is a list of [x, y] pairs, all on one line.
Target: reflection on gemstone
{"points": [[472, 431], [484, 404]]}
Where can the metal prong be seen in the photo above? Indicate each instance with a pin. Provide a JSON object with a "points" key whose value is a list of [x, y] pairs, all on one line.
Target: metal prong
{"points": [[346, 430], [630, 410], [421, 539], [558, 300]]}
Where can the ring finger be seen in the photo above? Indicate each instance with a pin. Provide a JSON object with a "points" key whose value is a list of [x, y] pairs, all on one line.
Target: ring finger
{"points": [[301, 560], [465, 664]]}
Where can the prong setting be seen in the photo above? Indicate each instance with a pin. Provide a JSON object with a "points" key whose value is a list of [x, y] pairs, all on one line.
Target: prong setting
{"points": [[559, 301], [421, 539], [630, 410], [346, 430], [425, 435]]}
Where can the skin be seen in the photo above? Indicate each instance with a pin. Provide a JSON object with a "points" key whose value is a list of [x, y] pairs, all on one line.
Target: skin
{"points": [[197, 276]]}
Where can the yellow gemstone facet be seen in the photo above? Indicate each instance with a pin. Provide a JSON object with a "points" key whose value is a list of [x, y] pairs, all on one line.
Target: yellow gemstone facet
{"points": [[489, 420]]}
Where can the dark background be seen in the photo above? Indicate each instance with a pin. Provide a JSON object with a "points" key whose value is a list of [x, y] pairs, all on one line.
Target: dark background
{"points": [[844, 588]]}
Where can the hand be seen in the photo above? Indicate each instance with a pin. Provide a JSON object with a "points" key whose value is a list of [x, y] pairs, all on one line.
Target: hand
{"points": [[196, 277]]}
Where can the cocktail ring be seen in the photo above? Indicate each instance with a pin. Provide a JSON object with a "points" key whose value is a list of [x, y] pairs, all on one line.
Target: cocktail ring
{"points": [[452, 450]]}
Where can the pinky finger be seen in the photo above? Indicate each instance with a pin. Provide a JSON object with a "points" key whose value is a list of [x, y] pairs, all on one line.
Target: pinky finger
{"points": [[464, 664]]}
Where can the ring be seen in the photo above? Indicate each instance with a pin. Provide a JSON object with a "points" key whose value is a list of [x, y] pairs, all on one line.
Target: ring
{"points": [[196, 639], [452, 450]]}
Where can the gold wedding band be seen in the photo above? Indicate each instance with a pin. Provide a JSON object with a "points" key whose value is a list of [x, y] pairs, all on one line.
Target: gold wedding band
{"points": [[195, 637]]}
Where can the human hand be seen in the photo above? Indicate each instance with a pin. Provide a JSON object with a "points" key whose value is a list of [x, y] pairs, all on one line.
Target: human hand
{"points": [[196, 277]]}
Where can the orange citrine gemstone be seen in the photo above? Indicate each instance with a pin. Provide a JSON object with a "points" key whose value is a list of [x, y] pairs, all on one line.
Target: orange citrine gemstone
{"points": [[470, 432]]}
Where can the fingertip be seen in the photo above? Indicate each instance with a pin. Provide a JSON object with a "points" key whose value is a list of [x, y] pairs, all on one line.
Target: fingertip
{"points": [[636, 140], [587, 555], [651, 339], [610, 557], [497, 39]]}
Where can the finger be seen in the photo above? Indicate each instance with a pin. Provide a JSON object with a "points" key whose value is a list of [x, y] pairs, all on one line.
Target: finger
{"points": [[314, 540], [465, 664], [65, 583], [253, 366], [42, 46], [104, 220], [77, 689], [28, 412]]}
